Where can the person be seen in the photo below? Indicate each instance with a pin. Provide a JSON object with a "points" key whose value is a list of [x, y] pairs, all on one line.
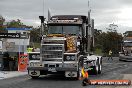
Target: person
{"points": [[110, 55], [33, 49], [11, 65], [29, 49], [84, 75], [6, 61]]}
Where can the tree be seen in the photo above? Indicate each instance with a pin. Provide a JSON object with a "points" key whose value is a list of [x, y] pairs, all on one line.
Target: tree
{"points": [[114, 42], [17, 24], [35, 35], [2, 26], [110, 40], [97, 35], [112, 28]]}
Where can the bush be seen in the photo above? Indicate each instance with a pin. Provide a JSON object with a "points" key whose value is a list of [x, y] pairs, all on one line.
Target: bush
{"points": [[98, 52]]}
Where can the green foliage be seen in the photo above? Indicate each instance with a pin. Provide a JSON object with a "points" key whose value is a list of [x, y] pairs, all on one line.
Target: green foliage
{"points": [[2, 26], [37, 45], [109, 40], [17, 24], [35, 35], [98, 52]]}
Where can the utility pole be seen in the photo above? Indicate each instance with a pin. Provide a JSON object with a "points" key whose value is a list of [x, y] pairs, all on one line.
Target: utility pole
{"points": [[88, 30]]}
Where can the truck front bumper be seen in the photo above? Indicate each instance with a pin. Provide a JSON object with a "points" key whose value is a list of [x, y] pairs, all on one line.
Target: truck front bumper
{"points": [[56, 68]]}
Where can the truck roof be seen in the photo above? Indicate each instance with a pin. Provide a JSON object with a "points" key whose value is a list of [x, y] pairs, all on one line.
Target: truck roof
{"points": [[70, 17]]}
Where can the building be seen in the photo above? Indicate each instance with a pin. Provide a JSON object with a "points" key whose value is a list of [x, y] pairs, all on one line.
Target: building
{"points": [[17, 44], [14, 46]]}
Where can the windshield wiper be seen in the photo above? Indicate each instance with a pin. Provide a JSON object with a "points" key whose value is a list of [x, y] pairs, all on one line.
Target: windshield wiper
{"points": [[56, 33]]}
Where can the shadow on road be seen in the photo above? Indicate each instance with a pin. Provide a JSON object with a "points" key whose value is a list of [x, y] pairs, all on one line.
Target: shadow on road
{"points": [[55, 77]]}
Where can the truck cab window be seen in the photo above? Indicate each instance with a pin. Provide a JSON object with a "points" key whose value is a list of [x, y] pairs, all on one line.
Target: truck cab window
{"points": [[73, 30]]}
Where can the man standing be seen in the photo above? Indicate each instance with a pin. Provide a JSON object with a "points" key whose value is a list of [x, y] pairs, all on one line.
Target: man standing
{"points": [[6, 61], [110, 55]]}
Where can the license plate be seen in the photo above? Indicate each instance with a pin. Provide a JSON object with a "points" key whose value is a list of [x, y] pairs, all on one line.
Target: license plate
{"points": [[52, 69]]}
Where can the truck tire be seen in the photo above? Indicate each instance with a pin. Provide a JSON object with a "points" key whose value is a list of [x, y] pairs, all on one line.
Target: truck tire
{"points": [[96, 68], [100, 66], [35, 77]]}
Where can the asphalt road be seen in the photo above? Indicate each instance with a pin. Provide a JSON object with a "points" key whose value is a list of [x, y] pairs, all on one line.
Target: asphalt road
{"points": [[111, 70]]}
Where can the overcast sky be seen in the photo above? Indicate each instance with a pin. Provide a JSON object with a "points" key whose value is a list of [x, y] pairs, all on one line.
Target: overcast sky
{"points": [[104, 12]]}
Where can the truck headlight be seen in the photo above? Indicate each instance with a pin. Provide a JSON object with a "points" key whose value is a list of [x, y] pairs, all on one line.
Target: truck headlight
{"points": [[33, 56], [70, 58]]}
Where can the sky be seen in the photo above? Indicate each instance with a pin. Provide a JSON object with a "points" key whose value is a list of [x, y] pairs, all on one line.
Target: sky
{"points": [[104, 12]]}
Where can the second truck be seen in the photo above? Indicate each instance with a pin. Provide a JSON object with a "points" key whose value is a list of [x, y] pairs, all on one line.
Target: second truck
{"points": [[126, 53]]}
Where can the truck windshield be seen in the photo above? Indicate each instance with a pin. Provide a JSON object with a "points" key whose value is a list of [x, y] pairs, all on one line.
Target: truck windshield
{"points": [[73, 30]]}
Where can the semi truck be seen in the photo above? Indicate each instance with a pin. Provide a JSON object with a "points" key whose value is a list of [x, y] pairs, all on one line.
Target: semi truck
{"points": [[126, 53], [65, 49]]}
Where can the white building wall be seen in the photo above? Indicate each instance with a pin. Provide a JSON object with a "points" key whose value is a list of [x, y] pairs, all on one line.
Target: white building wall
{"points": [[19, 44], [19, 41]]}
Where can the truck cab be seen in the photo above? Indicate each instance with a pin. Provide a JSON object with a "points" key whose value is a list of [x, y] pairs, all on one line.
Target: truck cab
{"points": [[65, 49], [126, 54]]}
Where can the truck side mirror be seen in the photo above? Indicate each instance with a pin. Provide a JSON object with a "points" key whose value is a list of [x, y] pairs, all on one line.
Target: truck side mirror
{"points": [[42, 19]]}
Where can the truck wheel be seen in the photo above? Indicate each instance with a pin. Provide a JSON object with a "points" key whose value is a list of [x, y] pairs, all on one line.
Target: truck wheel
{"points": [[100, 67], [96, 68], [35, 77]]}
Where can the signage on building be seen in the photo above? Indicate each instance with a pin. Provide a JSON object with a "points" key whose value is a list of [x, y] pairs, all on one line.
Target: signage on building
{"points": [[10, 35]]}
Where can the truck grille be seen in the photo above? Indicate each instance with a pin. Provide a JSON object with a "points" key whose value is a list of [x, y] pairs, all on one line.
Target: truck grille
{"points": [[52, 52]]}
